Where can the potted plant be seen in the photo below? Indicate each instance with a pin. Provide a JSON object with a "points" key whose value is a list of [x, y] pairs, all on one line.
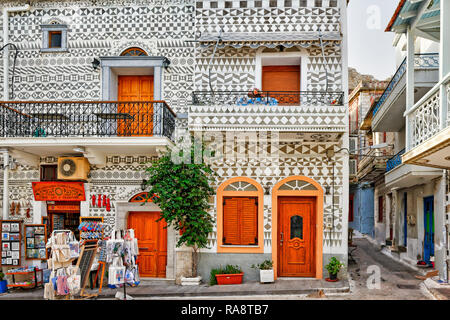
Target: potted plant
{"points": [[228, 275], [3, 282], [182, 183], [333, 268], [265, 271]]}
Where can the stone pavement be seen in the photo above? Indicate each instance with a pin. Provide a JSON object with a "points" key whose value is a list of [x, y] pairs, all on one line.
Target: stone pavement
{"points": [[396, 280], [437, 290], [280, 287]]}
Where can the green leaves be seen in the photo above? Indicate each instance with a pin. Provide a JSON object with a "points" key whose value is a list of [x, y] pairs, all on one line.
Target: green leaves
{"points": [[334, 265], [184, 190]]}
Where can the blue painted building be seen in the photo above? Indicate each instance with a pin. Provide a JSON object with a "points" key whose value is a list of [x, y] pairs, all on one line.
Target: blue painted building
{"points": [[362, 203]]}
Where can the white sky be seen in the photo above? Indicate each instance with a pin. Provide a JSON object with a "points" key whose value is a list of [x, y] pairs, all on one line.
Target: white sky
{"points": [[370, 48]]}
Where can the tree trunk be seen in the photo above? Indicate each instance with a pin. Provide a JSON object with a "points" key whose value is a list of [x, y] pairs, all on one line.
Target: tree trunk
{"points": [[194, 261]]}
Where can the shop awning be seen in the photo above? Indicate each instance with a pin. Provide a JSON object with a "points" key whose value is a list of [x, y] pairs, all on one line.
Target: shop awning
{"points": [[269, 39]]}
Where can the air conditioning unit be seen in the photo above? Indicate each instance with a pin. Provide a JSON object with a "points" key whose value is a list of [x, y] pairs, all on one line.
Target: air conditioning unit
{"points": [[73, 168], [353, 145], [353, 167]]}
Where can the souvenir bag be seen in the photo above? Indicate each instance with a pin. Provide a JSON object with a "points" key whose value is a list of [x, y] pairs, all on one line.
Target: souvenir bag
{"points": [[114, 246], [116, 272], [49, 291], [60, 247], [134, 270], [74, 246], [61, 283], [74, 279]]}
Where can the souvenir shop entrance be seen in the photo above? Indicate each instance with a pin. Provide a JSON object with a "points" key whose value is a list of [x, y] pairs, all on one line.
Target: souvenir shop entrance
{"points": [[63, 215], [62, 199]]}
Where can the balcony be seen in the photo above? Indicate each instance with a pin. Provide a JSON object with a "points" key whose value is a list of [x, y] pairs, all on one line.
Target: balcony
{"points": [[103, 127], [429, 128], [391, 105], [395, 161], [371, 166], [308, 111]]}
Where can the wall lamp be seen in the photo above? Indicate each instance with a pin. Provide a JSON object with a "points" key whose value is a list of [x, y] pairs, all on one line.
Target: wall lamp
{"points": [[144, 184], [166, 63], [95, 63]]}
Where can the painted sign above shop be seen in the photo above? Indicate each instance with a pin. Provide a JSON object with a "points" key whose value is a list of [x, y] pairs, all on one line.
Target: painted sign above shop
{"points": [[58, 191]]}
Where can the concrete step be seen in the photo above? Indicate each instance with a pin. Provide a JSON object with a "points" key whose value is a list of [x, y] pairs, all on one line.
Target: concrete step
{"points": [[156, 281]]}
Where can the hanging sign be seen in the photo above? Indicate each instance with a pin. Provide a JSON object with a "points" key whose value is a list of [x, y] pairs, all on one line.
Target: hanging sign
{"points": [[58, 191]]}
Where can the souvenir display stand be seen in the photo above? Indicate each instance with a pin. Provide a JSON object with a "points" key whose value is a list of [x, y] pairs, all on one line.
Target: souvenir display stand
{"points": [[121, 255], [21, 277], [91, 228], [65, 278], [84, 264], [35, 241], [11, 241]]}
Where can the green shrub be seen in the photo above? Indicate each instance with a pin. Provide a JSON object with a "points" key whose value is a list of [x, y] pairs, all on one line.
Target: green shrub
{"points": [[334, 266], [265, 265], [2, 276]]}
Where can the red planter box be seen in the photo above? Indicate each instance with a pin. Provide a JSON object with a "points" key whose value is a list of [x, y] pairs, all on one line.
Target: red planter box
{"points": [[229, 278]]}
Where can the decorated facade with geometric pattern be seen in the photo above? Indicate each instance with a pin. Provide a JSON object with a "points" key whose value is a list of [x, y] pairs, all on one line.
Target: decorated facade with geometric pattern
{"points": [[213, 47]]}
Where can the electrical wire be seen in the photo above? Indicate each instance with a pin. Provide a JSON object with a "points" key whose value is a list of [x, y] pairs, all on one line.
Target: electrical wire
{"points": [[14, 65]]}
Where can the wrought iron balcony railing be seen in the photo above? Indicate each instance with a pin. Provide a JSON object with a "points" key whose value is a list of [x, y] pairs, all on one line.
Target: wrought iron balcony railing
{"points": [[395, 161], [421, 61], [304, 98], [86, 119]]}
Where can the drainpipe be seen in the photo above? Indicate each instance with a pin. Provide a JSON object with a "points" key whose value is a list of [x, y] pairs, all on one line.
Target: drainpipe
{"points": [[5, 183], [6, 12]]}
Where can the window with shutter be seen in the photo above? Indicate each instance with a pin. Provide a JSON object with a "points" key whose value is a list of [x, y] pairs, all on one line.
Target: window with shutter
{"points": [[240, 221]]}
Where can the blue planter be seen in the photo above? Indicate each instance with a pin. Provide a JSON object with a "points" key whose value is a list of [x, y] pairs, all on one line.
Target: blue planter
{"points": [[3, 287]]}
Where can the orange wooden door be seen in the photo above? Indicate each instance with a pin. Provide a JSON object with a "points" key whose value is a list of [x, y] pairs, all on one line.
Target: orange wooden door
{"points": [[136, 88], [152, 242], [296, 236], [282, 78]]}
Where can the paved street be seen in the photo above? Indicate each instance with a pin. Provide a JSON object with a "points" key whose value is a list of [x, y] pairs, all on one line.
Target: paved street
{"points": [[397, 280]]}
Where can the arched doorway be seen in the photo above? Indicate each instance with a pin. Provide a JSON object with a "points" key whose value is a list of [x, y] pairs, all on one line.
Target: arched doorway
{"points": [[152, 239], [297, 227]]}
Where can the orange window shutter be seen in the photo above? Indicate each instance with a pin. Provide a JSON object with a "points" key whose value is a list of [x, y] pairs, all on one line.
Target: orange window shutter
{"points": [[249, 223], [231, 222]]}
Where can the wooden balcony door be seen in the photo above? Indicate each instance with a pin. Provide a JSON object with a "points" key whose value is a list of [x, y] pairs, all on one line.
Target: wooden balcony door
{"points": [[296, 236], [282, 78], [152, 242], [135, 88]]}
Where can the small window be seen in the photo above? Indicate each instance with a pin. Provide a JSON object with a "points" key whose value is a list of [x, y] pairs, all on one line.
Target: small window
{"points": [[297, 227], [49, 172], [54, 39], [240, 221]]}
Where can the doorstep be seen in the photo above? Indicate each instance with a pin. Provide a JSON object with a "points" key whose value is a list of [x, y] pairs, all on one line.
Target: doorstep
{"points": [[279, 287], [405, 261], [437, 290]]}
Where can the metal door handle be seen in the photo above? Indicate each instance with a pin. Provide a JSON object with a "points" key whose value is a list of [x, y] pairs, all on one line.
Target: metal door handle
{"points": [[281, 240], [143, 248]]}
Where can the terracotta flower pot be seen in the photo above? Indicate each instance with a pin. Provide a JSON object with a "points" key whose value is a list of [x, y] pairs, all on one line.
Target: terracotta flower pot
{"points": [[229, 278]]}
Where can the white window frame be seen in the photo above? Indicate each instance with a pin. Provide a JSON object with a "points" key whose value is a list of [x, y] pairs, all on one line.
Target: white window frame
{"points": [[46, 29], [302, 55]]}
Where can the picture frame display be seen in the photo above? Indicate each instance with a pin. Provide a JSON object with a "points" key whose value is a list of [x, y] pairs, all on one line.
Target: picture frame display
{"points": [[36, 239]]}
